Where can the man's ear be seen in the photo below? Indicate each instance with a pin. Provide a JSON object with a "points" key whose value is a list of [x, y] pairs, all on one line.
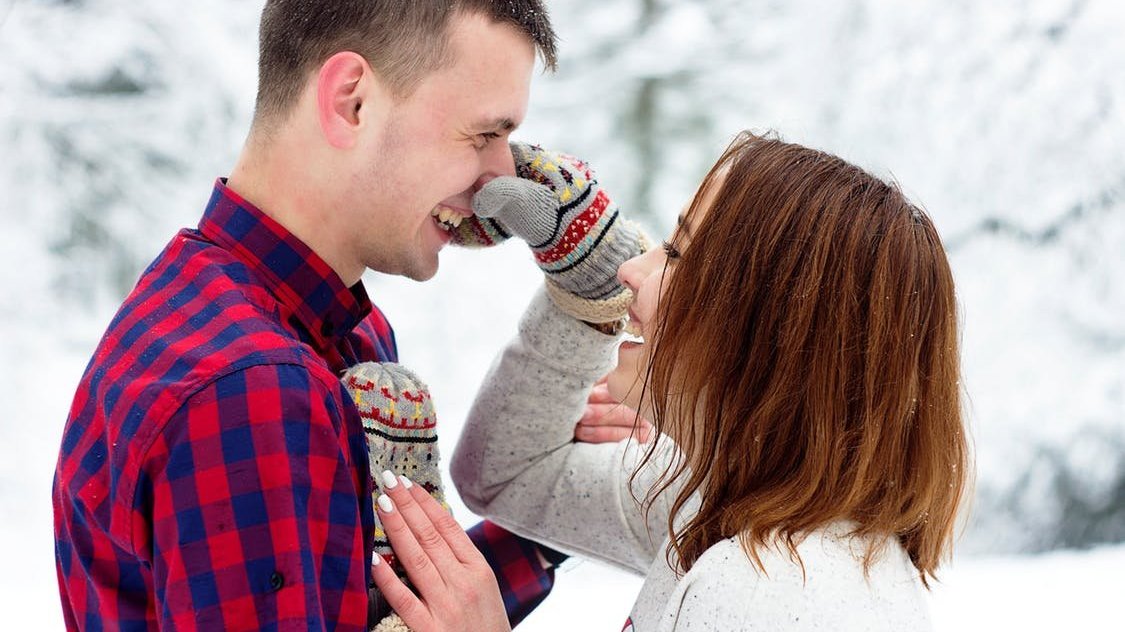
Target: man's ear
{"points": [[340, 94]]}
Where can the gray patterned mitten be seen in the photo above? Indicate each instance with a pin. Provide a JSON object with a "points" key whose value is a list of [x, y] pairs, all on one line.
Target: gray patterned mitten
{"points": [[401, 428], [575, 231]]}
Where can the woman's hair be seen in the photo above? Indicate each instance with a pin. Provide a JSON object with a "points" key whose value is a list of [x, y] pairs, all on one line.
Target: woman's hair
{"points": [[806, 359]]}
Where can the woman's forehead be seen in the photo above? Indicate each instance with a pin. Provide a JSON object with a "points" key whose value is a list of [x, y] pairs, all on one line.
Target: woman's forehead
{"points": [[689, 219]]}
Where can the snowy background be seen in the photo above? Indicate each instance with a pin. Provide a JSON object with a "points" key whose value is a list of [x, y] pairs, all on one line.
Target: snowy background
{"points": [[1005, 119]]}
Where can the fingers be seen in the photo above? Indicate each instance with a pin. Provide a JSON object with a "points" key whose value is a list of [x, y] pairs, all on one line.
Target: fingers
{"points": [[451, 595], [423, 553], [596, 434], [585, 433], [612, 414], [606, 420], [409, 608], [455, 537], [609, 423], [600, 394]]}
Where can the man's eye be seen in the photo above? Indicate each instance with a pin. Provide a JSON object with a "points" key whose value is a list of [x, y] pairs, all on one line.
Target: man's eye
{"points": [[484, 138], [670, 251]]}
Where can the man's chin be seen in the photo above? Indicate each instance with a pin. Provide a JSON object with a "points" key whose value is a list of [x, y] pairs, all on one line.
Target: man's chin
{"points": [[414, 270], [422, 278], [422, 272]]}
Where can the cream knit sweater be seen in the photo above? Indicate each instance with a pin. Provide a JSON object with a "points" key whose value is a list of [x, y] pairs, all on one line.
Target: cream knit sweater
{"points": [[516, 464]]}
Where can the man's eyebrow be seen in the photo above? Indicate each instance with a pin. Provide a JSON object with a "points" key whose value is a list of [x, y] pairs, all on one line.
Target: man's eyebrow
{"points": [[501, 124]]}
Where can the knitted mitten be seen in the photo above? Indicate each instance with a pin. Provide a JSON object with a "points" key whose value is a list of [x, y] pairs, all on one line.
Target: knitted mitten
{"points": [[478, 232], [575, 231], [400, 424]]}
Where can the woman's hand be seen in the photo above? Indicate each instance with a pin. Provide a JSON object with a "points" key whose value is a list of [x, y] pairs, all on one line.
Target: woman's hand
{"points": [[456, 588], [607, 420]]}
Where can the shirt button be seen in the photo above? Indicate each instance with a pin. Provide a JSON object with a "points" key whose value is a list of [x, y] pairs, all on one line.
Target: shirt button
{"points": [[277, 580]]}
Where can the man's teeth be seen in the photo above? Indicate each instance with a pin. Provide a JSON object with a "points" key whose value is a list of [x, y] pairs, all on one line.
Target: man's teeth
{"points": [[446, 217]]}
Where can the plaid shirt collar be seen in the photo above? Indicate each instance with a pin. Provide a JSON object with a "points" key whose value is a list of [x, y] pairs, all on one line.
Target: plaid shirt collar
{"points": [[316, 296]]}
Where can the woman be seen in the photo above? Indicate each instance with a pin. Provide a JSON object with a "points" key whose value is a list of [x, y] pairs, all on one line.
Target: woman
{"points": [[799, 359]]}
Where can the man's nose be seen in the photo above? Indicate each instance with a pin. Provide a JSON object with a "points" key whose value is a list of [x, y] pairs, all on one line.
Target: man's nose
{"points": [[497, 161]]}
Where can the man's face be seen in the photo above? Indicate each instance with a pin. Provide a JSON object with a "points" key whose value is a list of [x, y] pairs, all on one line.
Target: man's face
{"points": [[434, 149]]}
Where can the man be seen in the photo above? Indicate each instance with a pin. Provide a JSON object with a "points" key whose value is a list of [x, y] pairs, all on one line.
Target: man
{"points": [[213, 472]]}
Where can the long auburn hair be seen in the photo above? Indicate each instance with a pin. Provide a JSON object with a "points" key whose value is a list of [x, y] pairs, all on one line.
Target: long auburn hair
{"points": [[806, 355]]}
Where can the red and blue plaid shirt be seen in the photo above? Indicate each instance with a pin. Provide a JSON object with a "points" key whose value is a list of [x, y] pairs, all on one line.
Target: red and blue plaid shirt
{"points": [[213, 471]]}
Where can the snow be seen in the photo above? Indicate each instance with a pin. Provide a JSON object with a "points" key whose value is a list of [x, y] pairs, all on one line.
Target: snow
{"points": [[1055, 591], [1005, 119]]}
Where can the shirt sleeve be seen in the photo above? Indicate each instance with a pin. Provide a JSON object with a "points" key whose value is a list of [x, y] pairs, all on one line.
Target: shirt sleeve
{"points": [[523, 581], [256, 511]]}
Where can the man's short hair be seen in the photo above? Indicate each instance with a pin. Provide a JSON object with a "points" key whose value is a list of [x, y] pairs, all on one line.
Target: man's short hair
{"points": [[403, 40]]}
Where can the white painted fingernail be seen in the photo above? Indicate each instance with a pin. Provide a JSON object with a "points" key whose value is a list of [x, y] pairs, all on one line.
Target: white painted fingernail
{"points": [[376, 559], [389, 480], [406, 482], [385, 503]]}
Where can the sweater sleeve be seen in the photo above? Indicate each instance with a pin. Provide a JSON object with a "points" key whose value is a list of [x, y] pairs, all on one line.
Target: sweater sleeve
{"points": [[517, 463]]}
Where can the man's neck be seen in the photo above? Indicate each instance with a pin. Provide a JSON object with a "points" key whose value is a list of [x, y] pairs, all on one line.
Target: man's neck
{"points": [[288, 192]]}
